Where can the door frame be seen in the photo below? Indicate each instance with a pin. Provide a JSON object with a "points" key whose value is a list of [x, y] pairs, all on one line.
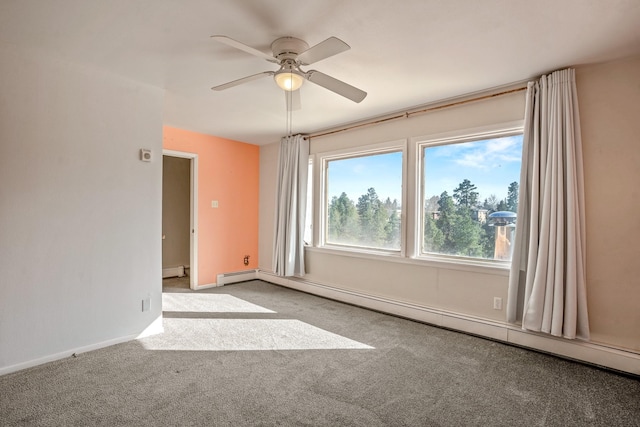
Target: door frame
{"points": [[193, 214]]}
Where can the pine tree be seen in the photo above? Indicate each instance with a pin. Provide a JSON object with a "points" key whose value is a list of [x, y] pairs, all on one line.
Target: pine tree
{"points": [[446, 222], [466, 234], [343, 220], [433, 237], [372, 219], [512, 197], [465, 194], [392, 231], [488, 240]]}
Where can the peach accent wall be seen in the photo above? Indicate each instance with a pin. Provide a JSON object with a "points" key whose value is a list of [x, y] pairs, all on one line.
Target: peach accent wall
{"points": [[228, 171]]}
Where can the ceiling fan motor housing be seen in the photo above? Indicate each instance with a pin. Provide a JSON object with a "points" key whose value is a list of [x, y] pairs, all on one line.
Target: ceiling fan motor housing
{"points": [[288, 48]]}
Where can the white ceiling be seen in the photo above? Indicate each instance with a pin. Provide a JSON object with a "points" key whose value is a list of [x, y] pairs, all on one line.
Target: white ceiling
{"points": [[404, 53]]}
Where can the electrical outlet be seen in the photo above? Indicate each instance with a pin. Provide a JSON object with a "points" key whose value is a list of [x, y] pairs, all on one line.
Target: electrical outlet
{"points": [[497, 303]]}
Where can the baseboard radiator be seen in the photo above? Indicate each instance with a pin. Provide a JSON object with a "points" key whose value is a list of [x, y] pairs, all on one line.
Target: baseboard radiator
{"points": [[236, 276], [597, 354], [178, 271]]}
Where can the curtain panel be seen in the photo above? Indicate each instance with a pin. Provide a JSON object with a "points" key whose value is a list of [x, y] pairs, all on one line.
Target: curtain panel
{"points": [[547, 283], [291, 204]]}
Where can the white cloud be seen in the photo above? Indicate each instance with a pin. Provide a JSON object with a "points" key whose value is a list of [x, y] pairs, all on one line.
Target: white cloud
{"points": [[490, 154]]}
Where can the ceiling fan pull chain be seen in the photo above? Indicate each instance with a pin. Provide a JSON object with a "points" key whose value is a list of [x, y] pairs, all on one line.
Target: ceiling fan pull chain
{"points": [[289, 114]]}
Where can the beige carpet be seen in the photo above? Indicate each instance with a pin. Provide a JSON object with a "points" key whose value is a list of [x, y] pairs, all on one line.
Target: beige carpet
{"points": [[301, 360]]}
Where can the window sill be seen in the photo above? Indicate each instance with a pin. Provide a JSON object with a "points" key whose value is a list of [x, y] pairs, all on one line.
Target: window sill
{"points": [[484, 267]]}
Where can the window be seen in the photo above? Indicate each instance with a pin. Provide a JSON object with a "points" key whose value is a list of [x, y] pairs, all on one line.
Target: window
{"points": [[470, 195], [363, 198]]}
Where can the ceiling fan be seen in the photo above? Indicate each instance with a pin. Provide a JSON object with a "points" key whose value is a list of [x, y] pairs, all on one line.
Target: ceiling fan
{"points": [[290, 54]]}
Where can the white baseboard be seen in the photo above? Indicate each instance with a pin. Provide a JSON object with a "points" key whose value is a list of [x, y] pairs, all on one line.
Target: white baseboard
{"points": [[207, 286], [63, 354], [617, 359], [154, 328]]}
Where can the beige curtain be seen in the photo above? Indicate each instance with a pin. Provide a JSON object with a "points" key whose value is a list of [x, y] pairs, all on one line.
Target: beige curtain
{"points": [[547, 285], [291, 205]]}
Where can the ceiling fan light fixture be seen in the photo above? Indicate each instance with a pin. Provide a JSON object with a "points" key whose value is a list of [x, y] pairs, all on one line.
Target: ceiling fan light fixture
{"points": [[288, 80]]}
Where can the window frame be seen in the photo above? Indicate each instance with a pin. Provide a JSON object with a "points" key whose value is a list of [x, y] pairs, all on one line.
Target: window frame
{"points": [[310, 211], [448, 138], [322, 161]]}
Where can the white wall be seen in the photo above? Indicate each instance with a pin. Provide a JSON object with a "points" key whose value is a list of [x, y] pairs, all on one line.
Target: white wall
{"points": [[268, 176], [80, 214], [609, 100]]}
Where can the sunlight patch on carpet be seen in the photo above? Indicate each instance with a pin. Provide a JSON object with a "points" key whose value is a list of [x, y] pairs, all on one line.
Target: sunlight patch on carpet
{"points": [[245, 334], [208, 303]]}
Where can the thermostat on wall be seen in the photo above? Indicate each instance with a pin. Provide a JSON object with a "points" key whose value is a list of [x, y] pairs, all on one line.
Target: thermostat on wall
{"points": [[145, 155]]}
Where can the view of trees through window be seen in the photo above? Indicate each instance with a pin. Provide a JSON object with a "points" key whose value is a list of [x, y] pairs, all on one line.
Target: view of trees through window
{"points": [[457, 219], [469, 197], [357, 214]]}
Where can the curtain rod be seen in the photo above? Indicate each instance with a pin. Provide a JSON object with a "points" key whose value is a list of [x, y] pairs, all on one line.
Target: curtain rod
{"points": [[408, 114]]}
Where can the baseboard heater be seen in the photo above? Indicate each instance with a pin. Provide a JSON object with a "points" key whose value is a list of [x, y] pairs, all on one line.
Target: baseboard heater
{"points": [[597, 354], [174, 271], [236, 276]]}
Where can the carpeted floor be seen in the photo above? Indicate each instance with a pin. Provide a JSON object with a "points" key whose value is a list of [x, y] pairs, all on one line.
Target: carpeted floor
{"points": [[255, 354]]}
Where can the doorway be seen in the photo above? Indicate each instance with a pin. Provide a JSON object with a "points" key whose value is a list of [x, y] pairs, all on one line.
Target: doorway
{"points": [[179, 216]]}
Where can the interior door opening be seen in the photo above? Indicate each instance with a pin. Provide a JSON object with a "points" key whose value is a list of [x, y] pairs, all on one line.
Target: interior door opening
{"points": [[179, 216]]}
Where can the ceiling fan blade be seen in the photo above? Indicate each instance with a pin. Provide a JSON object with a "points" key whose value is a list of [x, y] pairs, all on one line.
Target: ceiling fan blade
{"points": [[329, 47], [243, 80], [335, 85], [293, 100], [234, 43]]}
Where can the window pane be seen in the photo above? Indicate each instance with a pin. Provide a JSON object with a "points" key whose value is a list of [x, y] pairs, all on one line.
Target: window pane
{"points": [[364, 201], [471, 197]]}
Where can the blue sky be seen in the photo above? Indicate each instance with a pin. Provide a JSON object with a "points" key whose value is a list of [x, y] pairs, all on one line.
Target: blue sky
{"points": [[355, 176], [491, 165]]}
